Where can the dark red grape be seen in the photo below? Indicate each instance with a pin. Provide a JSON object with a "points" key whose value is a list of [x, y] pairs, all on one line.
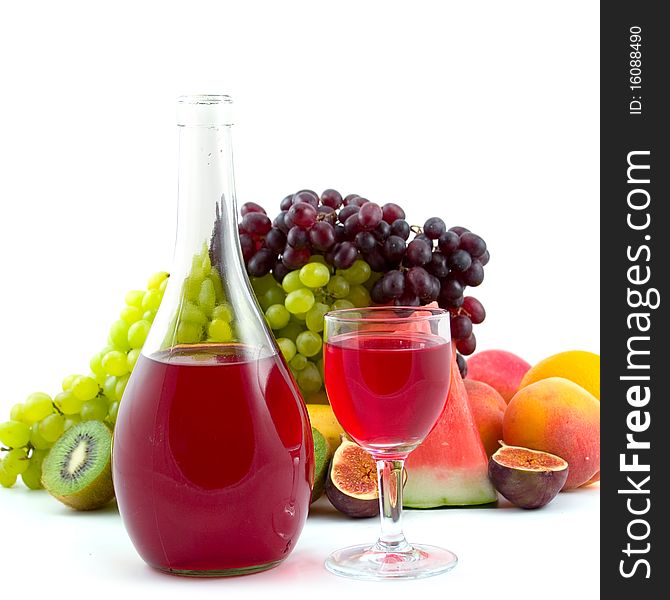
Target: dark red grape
{"points": [[474, 275], [297, 237], [424, 238], [434, 228], [279, 271], [458, 230], [347, 200], [392, 212], [451, 288], [286, 203], [327, 214], [352, 227], [322, 236], [382, 231], [331, 198], [308, 196], [358, 201], [294, 258], [400, 227], [438, 265], [370, 215], [256, 223], [302, 214], [394, 249], [345, 255], [280, 222], [467, 346], [377, 293], [448, 242], [339, 234], [393, 284], [261, 262], [249, 207], [461, 327], [375, 258], [248, 246], [434, 290], [419, 281], [346, 212], [365, 241], [459, 261], [474, 309], [275, 240], [409, 298], [472, 244], [462, 365], [418, 253], [451, 303], [484, 258]]}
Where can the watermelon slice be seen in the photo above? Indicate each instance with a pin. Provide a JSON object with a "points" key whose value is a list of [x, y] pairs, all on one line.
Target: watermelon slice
{"points": [[450, 467]]}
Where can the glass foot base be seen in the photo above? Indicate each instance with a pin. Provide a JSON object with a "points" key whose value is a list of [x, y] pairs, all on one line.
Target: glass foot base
{"points": [[219, 573], [365, 562]]}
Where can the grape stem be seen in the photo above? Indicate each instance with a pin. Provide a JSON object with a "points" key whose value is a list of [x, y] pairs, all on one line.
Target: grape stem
{"points": [[58, 410], [416, 229]]}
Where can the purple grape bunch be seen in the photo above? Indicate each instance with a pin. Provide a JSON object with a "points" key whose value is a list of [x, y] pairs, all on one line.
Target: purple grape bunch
{"points": [[437, 264]]}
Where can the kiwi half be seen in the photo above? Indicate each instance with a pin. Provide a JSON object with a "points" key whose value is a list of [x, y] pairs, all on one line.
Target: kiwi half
{"points": [[77, 471]]}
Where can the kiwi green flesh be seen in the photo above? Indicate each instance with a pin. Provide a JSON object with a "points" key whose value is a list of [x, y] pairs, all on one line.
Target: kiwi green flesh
{"points": [[77, 469]]}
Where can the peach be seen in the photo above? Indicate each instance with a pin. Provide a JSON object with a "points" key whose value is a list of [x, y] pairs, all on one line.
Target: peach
{"points": [[487, 407], [502, 370], [556, 415]]}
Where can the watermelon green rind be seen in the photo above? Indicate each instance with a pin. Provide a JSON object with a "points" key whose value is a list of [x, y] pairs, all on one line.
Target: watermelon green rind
{"points": [[450, 467]]}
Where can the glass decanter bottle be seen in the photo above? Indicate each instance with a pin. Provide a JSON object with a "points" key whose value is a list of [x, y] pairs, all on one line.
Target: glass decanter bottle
{"points": [[212, 457]]}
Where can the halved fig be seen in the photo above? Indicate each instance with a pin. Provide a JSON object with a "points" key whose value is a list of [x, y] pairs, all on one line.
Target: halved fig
{"points": [[351, 485], [527, 478]]}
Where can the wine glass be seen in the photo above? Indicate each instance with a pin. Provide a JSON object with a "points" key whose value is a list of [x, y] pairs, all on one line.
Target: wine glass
{"points": [[387, 372]]}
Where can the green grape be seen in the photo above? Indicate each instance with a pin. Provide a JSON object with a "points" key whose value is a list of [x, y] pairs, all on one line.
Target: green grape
{"points": [[263, 284], [191, 288], [291, 282], [137, 334], [192, 313], [287, 348], [132, 357], [277, 316], [299, 301], [14, 434], [7, 480], [299, 318], [36, 407], [314, 275], [224, 312], [220, 331], [309, 378], [298, 362], [205, 261], [357, 273], [36, 438], [134, 298], [275, 295], [375, 276], [342, 304], [338, 287], [359, 296], [96, 363], [314, 318], [152, 299], [308, 343], [16, 414], [121, 387], [113, 412], [94, 410], [320, 258], [66, 385], [85, 388], [109, 388], [16, 461], [130, 314], [118, 336], [51, 427], [189, 333], [207, 297], [70, 421], [149, 315], [156, 280], [218, 286], [319, 365], [68, 403], [32, 476], [291, 331], [115, 363]]}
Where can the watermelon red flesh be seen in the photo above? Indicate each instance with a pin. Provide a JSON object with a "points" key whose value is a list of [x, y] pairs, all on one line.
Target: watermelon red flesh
{"points": [[450, 467]]}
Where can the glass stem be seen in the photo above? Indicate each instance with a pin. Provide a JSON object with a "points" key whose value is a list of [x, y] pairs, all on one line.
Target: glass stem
{"points": [[390, 477]]}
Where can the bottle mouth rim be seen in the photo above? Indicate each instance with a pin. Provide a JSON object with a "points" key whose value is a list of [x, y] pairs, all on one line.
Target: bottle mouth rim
{"points": [[204, 110]]}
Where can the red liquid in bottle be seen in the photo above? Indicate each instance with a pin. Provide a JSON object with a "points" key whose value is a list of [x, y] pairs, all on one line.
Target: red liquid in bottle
{"points": [[208, 445], [387, 390]]}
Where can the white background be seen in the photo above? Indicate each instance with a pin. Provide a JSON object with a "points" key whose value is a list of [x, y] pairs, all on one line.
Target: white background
{"points": [[484, 113]]}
